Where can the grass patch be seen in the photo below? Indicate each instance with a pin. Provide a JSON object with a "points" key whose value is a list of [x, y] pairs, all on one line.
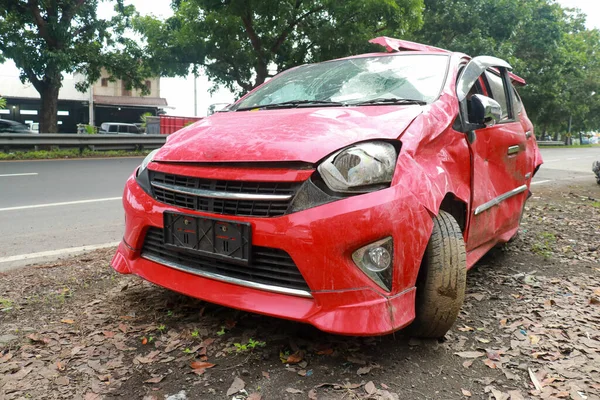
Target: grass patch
{"points": [[71, 153], [6, 304], [545, 245], [596, 204]]}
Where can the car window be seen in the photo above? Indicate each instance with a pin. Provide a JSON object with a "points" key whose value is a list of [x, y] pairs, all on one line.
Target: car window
{"points": [[496, 84], [3, 126], [133, 129], [113, 128]]}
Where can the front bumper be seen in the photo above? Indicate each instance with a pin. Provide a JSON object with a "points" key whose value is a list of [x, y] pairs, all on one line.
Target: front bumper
{"points": [[321, 241]]}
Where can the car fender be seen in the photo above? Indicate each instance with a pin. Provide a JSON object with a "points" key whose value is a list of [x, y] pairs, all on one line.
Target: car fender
{"points": [[435, 159]]}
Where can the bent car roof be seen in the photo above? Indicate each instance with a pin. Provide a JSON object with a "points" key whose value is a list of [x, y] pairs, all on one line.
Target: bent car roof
{"points": [[397, 45]]}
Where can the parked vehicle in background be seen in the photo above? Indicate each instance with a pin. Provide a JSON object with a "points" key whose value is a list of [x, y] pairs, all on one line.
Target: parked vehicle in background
{"points": [[118, 128], [8, 126], [352, 194]]}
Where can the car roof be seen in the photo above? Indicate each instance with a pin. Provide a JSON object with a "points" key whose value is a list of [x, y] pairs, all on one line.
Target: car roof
{"points": [[117, 123], [11, 122]]}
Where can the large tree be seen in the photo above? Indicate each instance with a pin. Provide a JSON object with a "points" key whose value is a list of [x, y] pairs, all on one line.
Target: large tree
{"points": [[47, 38], [545, 43], [240, 43]]}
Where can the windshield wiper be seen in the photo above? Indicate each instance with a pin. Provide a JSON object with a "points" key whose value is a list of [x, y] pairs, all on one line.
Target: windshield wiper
{"points": [[293, 103], [388, 100]]}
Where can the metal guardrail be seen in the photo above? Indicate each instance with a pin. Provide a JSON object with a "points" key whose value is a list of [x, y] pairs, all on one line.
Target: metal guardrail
{"points": [[22, 142], [550, 143]]}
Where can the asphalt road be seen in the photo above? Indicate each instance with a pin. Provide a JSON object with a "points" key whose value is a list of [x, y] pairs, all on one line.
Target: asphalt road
{"points": [[50, 209]]}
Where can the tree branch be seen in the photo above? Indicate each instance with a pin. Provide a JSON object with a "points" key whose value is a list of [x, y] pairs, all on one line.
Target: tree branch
{"points": [[68, 13], [291, 27], [40, 22], [254, 39], [35, 81]]}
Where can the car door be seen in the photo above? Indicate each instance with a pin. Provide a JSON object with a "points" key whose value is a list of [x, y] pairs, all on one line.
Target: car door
{"points": [[498, 160]]}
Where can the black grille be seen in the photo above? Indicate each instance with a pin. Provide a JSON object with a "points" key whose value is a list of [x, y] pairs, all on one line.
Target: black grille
{"points": [[268, 266], [257, 208]]}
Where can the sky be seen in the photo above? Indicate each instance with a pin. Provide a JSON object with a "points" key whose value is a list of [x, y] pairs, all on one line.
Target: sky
{"points": [[179, 92]]}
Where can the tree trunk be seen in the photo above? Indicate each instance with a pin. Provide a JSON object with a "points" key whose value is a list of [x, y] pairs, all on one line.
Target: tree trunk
{"points": [[262, 73], [48, 115]]}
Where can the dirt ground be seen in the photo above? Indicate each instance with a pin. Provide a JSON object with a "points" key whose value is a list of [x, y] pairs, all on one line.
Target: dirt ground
{"points": [[530, 328]]}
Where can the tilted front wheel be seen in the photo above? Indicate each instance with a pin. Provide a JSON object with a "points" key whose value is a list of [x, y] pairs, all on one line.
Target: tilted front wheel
{"points": [[441, 281]]}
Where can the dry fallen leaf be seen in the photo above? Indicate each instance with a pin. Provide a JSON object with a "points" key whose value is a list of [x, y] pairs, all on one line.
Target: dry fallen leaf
{"points": [[236, 386], [363, 370], [470, 354], [515, 395], [293, 391], [62, 381], [370, 387], [535, 380], [534, 339], [201, 365], [312, 394], [467, 363], [254, 396], [144, 340], [490, 363], [493, 355], [156, 379], [67, 321], [295, 358], [266, 375], [466, 393]]}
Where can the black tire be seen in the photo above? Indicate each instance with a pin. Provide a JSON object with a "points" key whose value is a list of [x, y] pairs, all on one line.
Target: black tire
{"points": [[442, 280]]}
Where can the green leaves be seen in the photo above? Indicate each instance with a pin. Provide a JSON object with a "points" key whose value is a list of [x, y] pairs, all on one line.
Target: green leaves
{"points": [[546, 44], [240, 43], [48, 38]]}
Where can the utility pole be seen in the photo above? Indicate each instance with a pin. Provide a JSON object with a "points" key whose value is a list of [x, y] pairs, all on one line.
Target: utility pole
{"points": [[195, 93], [91, 106]]}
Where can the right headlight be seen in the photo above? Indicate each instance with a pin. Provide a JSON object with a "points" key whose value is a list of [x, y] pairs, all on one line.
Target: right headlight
{"points": [[360, 168]]}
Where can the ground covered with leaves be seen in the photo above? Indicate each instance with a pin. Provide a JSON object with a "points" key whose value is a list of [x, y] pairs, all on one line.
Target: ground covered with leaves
{"points": [[530, 328]]}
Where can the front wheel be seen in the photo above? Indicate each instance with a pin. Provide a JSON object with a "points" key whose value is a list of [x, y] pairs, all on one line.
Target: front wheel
{"points": [[442, 280]]}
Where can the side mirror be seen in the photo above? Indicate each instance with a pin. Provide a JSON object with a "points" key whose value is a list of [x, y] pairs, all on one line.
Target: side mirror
{"points": [[485, 111]]}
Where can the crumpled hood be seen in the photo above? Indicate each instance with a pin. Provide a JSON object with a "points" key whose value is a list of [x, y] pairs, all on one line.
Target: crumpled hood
{"points": [[299, 134]]}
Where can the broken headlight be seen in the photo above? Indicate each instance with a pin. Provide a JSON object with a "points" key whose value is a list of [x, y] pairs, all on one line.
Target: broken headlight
{"points": [[360, 168]]}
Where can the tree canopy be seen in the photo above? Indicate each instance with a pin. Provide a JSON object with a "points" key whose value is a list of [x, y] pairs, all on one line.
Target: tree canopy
{"points": [[240, 43], [546, 44], [48, 38]]}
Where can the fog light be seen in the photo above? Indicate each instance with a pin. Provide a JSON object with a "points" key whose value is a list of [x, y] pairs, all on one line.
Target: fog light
{"points": [[380, 259], [375, 260]]}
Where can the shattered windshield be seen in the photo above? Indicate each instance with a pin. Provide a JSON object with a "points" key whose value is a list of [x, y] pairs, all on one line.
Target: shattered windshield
{"points": [[371, 80]]}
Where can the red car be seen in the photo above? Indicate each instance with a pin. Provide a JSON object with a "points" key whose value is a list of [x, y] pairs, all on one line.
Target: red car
{"points": [[352, 194]]}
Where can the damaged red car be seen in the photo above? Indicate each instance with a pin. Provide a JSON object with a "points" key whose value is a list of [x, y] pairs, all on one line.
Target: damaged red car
{"points": [[352, 194]]}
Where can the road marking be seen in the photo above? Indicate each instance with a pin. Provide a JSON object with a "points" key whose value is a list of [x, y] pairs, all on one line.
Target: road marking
{"points": [[539, 182], [53, 253], [66, 203], [28, 174], [545, 161]]}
